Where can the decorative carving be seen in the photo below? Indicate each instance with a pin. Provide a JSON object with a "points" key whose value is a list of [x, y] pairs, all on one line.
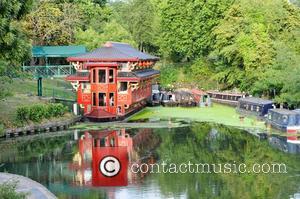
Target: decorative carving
{"points": [[134, 86], [130, 66], [75, 85], [76, 65]]}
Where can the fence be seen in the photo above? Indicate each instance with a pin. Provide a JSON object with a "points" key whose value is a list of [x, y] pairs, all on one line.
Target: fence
{"points": [[50, 71]]}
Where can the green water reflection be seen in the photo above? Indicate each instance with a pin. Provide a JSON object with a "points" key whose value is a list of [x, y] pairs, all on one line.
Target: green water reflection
{"points": [[63, 166]]}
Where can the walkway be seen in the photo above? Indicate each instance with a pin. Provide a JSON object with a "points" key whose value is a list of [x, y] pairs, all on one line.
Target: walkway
{"points": [[35, 189]]}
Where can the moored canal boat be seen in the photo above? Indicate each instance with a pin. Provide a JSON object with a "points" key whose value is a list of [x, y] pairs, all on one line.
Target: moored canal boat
{"points": [[284, 119], [228, 98], [254, 106]]}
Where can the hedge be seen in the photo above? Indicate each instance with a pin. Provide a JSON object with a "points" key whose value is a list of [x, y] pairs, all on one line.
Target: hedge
{"points": [[38, 112]]}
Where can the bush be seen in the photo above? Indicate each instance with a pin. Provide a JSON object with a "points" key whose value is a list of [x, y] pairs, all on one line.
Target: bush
{"points": [[37, 113], [8, 191], [168, 75]]}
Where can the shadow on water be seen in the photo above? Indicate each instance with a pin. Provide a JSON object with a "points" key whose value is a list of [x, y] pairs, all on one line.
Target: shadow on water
{"points": [[71, 165]]}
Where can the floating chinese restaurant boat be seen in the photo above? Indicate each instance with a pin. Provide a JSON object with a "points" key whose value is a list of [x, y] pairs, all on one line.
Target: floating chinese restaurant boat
{"points": [[112, 81]]}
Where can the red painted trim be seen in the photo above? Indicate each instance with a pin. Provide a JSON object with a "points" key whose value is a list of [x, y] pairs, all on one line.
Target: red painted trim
{"points": [[77, 78], [101, 64], [128, 79], [70, 59]]}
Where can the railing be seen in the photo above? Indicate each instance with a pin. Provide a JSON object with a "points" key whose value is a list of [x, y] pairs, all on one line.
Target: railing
{"points": [[50, 71]]}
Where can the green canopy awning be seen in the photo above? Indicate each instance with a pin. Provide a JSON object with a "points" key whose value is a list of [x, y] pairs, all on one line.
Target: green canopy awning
{"points": [[57, 51]]}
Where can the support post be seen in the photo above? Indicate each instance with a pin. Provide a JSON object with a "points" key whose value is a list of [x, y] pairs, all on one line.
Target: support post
{"points": [[40, 87]]}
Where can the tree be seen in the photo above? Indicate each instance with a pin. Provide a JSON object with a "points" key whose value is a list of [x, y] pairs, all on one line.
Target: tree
{"points": [[93, 39], [139, 18], [186, 26], [14, 45], [254, 46], [55, 23]]}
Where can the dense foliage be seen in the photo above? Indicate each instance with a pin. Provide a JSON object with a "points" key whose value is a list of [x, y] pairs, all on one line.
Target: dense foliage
{"points": [[222, 44], [38, 112], [8, 191]]}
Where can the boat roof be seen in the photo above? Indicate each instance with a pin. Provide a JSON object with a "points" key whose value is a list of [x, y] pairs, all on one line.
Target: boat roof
{"points": [[225, 93], [138, 74], [254, 100], [114, 51], [57, 51], [285, 111]]}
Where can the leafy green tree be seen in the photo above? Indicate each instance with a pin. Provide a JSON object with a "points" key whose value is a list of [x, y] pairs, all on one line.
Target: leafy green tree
{"points": [[254, 46], [140, 19], [55, 23], [13, 43], [186, 26], [93, 39]]}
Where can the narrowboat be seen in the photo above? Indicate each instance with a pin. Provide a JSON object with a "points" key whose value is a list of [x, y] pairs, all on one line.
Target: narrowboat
{"points": [[254, 106], [284, 119], [228, 98], [186, 98], [289, 144]]}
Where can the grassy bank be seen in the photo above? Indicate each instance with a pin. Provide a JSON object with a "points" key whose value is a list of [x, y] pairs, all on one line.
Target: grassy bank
{"points": [[217, 113], [23, 93], [51, 87]]}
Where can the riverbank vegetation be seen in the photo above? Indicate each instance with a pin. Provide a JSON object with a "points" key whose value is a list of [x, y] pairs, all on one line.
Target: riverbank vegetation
{"points": [[38, 112], [8, 191], [22, 92], [223, 45]]}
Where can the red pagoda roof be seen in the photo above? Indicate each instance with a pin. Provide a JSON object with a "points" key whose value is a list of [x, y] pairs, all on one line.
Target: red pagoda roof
{"points": [[137, 75], [114, 51]]}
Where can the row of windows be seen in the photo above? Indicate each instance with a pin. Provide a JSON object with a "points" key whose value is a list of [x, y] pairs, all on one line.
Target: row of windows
{"points": [[103, 77], [249, 107], [226, 97], [102, 100]]}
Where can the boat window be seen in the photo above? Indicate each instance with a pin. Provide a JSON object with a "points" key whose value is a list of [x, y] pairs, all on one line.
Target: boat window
{"points": [[285, 118], [112, 142], [111, 99], [94, 76], [102, 142], [102, 76], [111, 76], [102, 99], [257, 109], [119, 109], [94, 99], [292, 120], [123, 86]]}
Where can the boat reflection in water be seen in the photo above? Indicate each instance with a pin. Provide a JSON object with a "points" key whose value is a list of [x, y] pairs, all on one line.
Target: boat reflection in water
{"points": [[105, 157], [288, 144]]}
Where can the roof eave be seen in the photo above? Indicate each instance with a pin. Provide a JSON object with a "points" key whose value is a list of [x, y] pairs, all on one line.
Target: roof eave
{"points": [[70, 59]]}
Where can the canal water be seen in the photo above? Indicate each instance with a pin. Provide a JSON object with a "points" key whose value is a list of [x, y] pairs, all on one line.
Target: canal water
{"points": [[70, 164]]}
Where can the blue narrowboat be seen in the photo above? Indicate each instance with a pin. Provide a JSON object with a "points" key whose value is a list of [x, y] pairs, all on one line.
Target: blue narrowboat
{"points": [[254, 106], [289, 144], [284, 119]]}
